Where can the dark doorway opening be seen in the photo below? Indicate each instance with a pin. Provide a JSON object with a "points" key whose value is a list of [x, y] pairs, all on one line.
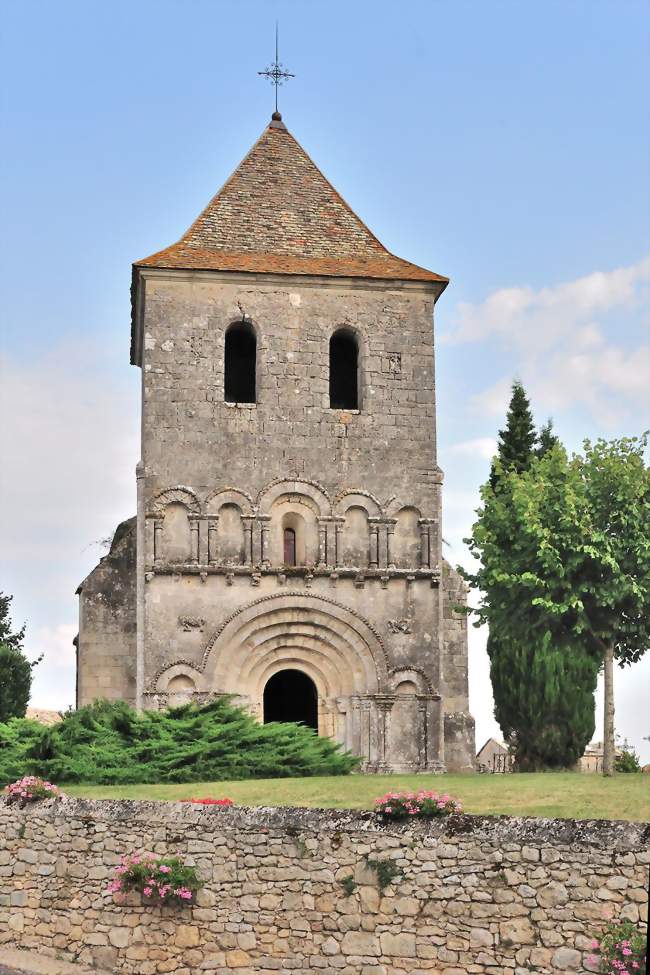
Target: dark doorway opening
{"points": [[291, 696], [344, 371], [239, 364]]}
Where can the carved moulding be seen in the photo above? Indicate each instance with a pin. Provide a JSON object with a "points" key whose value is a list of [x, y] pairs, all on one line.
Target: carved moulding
{"points": [[359, 497], [229, 495], [281, 486], [418, 677], [319, 598], [179, 494]]}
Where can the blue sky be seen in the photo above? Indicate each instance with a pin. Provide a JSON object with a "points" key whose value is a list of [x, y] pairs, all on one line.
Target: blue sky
{"points": [[506, 145]]}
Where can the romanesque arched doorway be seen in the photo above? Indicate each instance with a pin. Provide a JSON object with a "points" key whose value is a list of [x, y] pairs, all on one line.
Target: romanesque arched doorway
{"points": [[290, 695]]}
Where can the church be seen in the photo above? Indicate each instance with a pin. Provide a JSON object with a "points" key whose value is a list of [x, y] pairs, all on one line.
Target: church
{"points": [[287, 546]]}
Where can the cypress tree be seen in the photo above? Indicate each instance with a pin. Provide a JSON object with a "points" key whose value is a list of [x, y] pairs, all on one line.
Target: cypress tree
{"points": [[546, 439], [516, 442], [543, 687]]}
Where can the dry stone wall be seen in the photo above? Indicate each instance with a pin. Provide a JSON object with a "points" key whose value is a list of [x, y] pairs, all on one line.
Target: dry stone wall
{"points": [[483, 895]]}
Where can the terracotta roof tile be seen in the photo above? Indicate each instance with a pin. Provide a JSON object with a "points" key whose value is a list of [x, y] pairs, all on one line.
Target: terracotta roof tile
{"points": [[278, 213]]}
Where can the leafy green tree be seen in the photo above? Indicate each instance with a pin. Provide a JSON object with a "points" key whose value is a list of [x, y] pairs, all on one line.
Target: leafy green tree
{"points": [[627, 761], [15, 668], [16, 683], [516, 442], [565, 562], [543, 686], [13, 639], [613, 587]]}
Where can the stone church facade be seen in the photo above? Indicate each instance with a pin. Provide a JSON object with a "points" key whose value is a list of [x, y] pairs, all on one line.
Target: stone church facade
{"points": [[287, 543]]}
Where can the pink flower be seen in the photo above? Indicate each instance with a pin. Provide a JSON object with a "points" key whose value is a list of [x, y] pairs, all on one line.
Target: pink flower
{"points": [[164, 868], [147, 891]]}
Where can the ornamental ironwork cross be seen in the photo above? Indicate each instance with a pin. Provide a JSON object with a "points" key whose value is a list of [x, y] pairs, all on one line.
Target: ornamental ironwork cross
{"points": [[275, 71]]}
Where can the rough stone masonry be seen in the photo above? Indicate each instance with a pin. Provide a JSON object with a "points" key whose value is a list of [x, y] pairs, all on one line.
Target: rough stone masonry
{"points": [[480, 895], [287, 547]]}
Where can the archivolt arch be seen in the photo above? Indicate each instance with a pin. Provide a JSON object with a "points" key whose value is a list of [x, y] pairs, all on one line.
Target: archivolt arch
{"points": [[336, 647], [182, 668], [358, 499], [229, 495], [395, 505], [175, 495], [413, 674], [308, 489]]}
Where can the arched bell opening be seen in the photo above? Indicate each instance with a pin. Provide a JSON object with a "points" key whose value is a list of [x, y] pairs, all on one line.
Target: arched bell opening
{"points": [[290, 695]]}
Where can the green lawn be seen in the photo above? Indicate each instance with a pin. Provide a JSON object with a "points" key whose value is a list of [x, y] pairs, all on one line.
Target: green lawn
{"points": [[558, 794]]}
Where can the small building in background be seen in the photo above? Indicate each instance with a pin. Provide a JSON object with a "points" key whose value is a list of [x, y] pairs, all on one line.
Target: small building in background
{"points": [[43, 716], [592, 760], [494, 757]]}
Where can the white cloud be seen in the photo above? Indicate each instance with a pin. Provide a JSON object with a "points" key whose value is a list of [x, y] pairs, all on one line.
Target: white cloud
{"points": [[483, 447], [558, 342], [538, 318]]}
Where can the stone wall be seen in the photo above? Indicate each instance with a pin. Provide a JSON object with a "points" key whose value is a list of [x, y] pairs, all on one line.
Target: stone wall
{"points": [[106, 650], [483, 895]]}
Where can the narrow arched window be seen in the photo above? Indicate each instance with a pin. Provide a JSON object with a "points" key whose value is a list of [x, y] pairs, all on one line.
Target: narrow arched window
{"points": [[344, 371], [239, 364], [289, 546]]}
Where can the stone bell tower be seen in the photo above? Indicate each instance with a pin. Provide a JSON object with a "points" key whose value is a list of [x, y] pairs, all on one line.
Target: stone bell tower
{"points": [[287, 545]]}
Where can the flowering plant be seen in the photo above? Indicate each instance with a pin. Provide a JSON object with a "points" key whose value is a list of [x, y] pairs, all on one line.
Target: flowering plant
{"points": [[211, 802], [29, 789], [162, 880], [400, 805], [621, 950]]}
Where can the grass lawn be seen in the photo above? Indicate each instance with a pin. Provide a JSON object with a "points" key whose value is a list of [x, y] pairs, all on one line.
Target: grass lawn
{"points": [[569, 795]]}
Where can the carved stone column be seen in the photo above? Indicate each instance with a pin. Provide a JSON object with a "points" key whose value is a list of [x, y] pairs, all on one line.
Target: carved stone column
{"points": [[265, 531], [322, 541], [194, 538], [157, 539], [339, 524], [213, 523], [390, 531], [425, 542], [247, 521], [373, 524]]}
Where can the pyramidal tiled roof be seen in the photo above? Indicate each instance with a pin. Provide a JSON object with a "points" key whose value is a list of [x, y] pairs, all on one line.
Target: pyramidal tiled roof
{"points": [[278, 213]]}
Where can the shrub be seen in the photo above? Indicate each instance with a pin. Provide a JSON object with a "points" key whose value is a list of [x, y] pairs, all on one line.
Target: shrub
{"points": [[621, 950], [162, 880], [30, 789], [401, 805], [627, 761], [108, 743]]}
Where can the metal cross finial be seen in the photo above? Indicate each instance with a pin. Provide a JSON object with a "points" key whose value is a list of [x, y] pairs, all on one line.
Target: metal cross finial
{"points": [[275, 72]]}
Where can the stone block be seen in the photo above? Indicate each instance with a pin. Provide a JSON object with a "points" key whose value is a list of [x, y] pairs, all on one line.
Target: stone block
{"points": [[359, 943], [400, 945]]}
